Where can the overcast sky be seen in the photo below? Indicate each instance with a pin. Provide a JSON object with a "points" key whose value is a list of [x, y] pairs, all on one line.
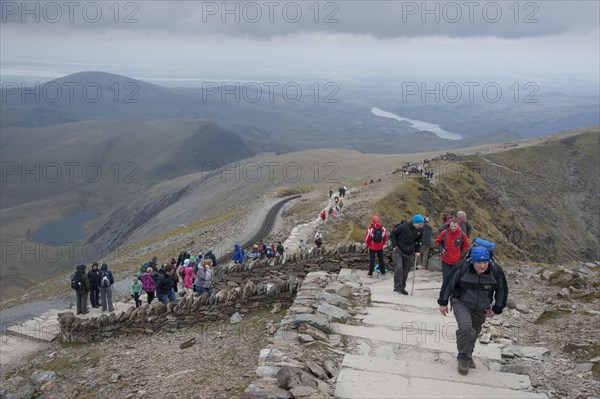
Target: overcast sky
{"points": [[343, 39]]}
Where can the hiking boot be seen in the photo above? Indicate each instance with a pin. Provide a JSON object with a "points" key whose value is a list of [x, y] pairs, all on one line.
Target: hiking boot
{"points": [[472, 364], [463, 366], [404, 292], [369, 275]]}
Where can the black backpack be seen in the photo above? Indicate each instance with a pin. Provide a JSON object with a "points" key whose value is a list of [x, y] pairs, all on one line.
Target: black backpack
{"points": [[76, 282], [377, 235]]}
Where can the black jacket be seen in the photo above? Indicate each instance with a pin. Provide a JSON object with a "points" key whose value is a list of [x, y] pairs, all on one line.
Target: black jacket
{"points": [[477, 292], [165, 283], [407, 238], [94, 277], [426, 238], [212, 257]]}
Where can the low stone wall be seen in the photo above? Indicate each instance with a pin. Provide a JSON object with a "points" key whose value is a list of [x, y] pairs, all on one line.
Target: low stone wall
{"points": [[305, 356], [237, 288]]}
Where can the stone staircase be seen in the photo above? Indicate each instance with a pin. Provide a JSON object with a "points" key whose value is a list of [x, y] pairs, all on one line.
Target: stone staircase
{"points": [[407, 349]]}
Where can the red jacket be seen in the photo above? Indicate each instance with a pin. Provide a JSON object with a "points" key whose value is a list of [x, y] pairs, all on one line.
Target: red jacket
{"points": [[375, 246], [455, 244]]}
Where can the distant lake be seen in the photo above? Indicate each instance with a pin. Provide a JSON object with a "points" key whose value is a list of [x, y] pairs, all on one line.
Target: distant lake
{"points": [[444, 134], [69, 229]]}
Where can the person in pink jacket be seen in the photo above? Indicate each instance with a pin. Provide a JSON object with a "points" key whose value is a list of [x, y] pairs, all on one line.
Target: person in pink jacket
{"points": [[188, 280], [375, 239]]}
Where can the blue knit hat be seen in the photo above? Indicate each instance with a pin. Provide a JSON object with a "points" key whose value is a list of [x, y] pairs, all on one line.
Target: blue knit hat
{"points": [[418, 219], [480, 254]]}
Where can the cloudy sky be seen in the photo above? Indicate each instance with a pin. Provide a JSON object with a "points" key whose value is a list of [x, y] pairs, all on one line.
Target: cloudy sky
{"points": [[345, 39]]}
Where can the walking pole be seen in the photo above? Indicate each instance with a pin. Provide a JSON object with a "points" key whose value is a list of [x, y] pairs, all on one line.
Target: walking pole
{"points": [[414, 272]]}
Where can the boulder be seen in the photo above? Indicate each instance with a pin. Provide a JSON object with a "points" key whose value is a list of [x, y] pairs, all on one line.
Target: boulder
{"points": [[334, 312], [319, 321]]}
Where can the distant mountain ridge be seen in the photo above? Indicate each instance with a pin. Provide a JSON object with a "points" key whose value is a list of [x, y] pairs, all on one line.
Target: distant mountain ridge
{"points": [[278, 123]]}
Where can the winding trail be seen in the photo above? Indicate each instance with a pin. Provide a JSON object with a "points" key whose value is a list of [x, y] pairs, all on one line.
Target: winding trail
{"points": [[22, 313]]}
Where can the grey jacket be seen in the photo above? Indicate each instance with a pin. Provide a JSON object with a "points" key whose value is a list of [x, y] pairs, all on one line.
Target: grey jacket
{"points": [[204, 277]]}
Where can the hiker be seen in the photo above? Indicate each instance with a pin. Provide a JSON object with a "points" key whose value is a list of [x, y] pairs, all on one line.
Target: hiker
{"points": [[94, 277], [406, 241], [204, 278], [254, 254], [341, 205], [209, 255], [81, 284], [461, 217], [153, 263], [238, 254], [164, 285], [183, 255], [323, 215], [136, 291], [453, 242], [425, 244], [188, 279], [318, 239], [106, 290], [472, 287], [280, 250], [375, 239], [149, 283], [330, 192]]}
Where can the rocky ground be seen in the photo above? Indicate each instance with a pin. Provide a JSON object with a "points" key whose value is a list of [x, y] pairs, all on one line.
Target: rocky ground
{"points": [[556, 307], [213, 360]]}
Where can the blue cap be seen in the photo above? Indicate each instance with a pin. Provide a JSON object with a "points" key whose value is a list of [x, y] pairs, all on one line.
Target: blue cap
{"points": [[480, 254], [418, 219]]}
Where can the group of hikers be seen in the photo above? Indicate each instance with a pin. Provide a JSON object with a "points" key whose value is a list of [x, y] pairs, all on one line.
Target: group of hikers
{"points": [[259, 251], [472, 283], [194, 275]]}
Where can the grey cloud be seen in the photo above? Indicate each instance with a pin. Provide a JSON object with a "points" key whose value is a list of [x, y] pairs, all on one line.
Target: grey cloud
{"points": [[266, 19]]}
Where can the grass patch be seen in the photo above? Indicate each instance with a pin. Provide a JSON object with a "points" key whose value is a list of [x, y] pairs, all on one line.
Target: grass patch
{"points": [[550, 315], [57, 365], [587, 297], [287, 191]]}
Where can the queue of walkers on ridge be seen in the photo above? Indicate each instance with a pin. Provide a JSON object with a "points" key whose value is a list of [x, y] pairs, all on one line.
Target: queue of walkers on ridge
{"points": [[186, 275]]}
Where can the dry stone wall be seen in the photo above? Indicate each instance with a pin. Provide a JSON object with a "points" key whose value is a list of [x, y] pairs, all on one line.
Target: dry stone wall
{"points": [[238, 288]]}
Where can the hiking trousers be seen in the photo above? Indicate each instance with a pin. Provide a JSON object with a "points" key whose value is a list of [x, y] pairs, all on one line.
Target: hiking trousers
{"points": [[403, 263], [106, 294], [469, 327], [379, 254], [82, 302], [95, 295]]}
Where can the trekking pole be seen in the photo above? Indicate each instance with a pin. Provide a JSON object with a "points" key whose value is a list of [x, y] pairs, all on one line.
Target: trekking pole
{"points": [[414, 275]]}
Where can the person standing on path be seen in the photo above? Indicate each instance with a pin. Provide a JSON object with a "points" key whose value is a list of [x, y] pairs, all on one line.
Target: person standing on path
{"points": [[406, 241], [375, 239], [476, 288], [106, 289], [453, 242]]}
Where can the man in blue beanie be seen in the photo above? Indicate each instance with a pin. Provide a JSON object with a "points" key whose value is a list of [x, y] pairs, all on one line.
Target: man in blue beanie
{"points": [[476, 288], [406, 241]]}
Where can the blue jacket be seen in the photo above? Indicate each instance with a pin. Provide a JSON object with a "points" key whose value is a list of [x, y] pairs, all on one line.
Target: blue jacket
{"points": [[238, 254]]}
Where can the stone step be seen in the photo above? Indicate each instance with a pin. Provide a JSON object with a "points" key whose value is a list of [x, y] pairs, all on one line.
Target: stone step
{"points": [[437, 371], [387, 295], [432, 321], [361, 384], [443, 341]]}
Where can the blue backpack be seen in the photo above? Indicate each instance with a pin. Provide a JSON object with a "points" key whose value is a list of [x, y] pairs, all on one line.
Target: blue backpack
{"points": [[480, 242]]}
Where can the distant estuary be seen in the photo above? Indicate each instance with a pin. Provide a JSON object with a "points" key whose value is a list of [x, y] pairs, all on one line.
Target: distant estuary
{"points": [[420, 125]]}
